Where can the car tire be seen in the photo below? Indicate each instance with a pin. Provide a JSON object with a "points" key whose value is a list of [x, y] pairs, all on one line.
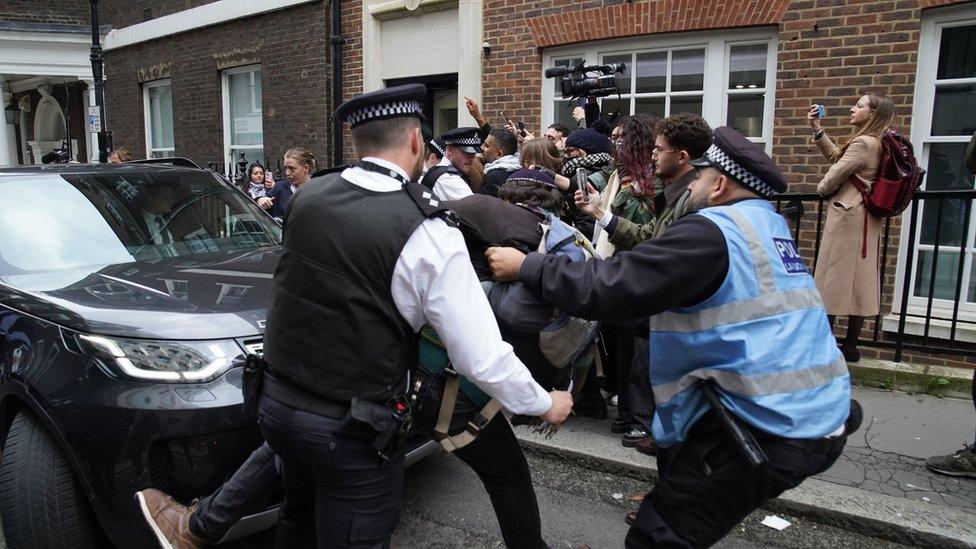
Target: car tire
{"points": [[41, 503]]}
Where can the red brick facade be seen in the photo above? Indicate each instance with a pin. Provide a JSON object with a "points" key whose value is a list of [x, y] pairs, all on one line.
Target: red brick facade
{"points": [[294, 75], [66, 12]]}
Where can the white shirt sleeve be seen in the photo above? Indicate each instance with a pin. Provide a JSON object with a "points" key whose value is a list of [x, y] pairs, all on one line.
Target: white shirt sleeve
{"points": [[605, 220], [451, 187], [434, 282]]}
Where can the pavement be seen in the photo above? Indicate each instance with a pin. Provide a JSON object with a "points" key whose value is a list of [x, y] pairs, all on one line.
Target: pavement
{"points": [[879, 487]]}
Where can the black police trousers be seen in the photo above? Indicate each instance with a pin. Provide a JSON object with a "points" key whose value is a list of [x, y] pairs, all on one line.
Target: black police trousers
{"points": [[706, 487], [495, 456]]}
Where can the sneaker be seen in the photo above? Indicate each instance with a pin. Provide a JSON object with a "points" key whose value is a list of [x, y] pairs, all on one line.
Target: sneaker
{"points": [[646, 446], [620, 425], [613, 401], [631, 437], [959, 464], [168, 519]]}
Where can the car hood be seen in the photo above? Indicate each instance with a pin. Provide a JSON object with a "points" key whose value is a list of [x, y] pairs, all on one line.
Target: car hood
{"points": [[206, 296]]}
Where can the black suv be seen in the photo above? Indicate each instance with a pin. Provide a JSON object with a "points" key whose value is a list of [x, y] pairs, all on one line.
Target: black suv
{"points": [[129, 295]]}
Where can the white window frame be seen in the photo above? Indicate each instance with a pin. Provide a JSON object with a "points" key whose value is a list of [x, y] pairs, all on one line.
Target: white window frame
{"points": [[933, 22], [715, 92], [229, 159], [147, 118]]}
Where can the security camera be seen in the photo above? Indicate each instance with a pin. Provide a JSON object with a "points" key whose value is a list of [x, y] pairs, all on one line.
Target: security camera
{"points": [[486, 47]]}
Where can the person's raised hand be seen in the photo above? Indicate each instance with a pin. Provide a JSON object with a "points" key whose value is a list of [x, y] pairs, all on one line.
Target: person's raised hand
{"points": [[562, 405], [579, 114], [812, 117], [504, 262], [592, 207], [474, 110]]}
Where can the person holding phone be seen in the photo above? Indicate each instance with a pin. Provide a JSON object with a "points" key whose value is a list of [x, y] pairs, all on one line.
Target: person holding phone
{"points": [[256, 183], [847, 269]]}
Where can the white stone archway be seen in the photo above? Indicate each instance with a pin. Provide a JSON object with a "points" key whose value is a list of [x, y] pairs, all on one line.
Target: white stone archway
{"points": [[49, 128]]}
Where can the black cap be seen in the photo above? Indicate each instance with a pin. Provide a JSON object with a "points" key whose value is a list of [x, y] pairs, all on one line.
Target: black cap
{"points": [[438, 145], [395, 102], [466, 139], [743, 161]]}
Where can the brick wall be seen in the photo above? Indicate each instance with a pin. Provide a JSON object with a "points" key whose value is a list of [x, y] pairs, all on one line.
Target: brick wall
{"points": [[352, 62], [294, 66], [122, 13], [71, 12]]}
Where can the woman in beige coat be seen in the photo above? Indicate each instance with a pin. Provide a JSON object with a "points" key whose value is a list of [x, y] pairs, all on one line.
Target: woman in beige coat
{"points": [[847, 272]]}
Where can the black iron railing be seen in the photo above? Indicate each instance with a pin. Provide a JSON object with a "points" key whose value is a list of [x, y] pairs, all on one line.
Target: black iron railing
{"points": [[806, 214]]}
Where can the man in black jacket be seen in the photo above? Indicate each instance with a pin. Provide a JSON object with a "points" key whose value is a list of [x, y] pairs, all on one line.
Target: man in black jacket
{"points": [[501, 160]]}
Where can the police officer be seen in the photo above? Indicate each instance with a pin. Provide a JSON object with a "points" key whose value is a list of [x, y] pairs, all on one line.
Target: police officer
{"points": [[368, 259], [449, 178], [733, 303]]}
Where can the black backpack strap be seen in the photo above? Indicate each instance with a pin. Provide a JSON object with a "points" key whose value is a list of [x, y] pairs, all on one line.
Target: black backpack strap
{"points": [[430, 205]]}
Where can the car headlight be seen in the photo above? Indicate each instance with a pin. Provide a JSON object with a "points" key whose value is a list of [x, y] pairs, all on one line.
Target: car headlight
{"points": [[175, 361]]}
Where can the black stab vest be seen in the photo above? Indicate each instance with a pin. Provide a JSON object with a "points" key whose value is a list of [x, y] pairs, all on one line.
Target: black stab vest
{"points": [[333, 327]]}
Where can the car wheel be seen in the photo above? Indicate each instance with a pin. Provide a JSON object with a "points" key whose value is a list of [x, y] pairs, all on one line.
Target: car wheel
{"points": [[41, 504]]}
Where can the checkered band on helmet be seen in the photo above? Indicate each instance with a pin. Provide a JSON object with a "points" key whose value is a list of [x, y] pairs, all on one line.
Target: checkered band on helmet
{"points": [[741, 175], [436, 147], [472, 141], [384, 110]]}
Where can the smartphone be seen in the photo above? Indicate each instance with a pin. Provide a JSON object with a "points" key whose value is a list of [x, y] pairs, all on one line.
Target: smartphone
{"points": [[521, 127], [821, 111], [581, 184]]}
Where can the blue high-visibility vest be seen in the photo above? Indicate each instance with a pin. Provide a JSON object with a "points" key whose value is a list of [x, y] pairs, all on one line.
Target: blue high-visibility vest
{"points": [[763, 337]]}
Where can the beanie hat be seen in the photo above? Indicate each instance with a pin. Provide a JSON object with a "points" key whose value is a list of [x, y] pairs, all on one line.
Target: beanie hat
{"points": [[589, 140], [538, 177]]}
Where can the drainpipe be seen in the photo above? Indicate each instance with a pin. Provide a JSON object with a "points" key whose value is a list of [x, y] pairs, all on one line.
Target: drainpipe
{"points": [[337, 41]]}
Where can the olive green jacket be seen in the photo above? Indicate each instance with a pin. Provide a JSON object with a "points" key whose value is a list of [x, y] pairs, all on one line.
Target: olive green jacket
{"points": [[627, 234]]}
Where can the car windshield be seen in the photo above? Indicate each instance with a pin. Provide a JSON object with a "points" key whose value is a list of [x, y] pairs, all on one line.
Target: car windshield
{"points": [[66, 221]]}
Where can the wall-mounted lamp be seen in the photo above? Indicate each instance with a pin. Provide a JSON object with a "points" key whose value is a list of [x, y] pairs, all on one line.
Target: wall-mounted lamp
{"points": [[486, 47], [12, 113]]}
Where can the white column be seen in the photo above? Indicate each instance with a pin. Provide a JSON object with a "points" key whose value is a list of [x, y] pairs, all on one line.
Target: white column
{"points": [[91, 139], [8, 137], [470, 14]]}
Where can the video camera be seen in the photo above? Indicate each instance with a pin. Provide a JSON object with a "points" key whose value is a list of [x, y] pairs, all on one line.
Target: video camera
{"points": [[576, 83], [57, 156]]}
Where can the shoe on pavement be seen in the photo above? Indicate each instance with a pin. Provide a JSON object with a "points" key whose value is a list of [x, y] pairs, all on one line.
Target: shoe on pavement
{"points": [[631, 518], [958, 464], [646, 446], [168, 520], [620, 425], [631, 437], [613, 401]]}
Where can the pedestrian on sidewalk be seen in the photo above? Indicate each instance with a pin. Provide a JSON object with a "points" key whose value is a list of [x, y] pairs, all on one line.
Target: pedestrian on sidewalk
{"points": [[963, 462], [847, 272], [733, 306]]}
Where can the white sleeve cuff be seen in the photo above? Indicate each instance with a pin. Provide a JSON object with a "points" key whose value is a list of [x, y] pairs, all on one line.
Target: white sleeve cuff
{"points": [[605, 220]]}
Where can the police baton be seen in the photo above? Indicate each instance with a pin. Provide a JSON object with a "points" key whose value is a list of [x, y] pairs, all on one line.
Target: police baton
{"points": [[741, 437]]}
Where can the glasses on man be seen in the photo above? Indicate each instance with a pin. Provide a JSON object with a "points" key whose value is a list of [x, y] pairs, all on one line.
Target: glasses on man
{"points": [[659, 150]]}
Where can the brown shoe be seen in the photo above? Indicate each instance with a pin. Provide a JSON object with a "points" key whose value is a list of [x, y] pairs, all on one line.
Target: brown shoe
{"points": [[646, 446], [169, 521], [631, 518]]}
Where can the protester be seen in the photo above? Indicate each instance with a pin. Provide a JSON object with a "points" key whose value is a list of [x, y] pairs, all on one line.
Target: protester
{"points": [[557, 133], [728, 304], [120, 155], [396, 276], [847, 268], [501, 157], [256, 183], [299, 165]]}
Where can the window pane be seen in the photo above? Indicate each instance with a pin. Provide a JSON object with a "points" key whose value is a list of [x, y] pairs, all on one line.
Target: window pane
{"points": [[972, 282], [245, 108], [623, 79], [945, 274], [562, 112], [250, 155], [161, 116], [687, 70], [946, 171], [747, 66], [653, 106], [556, 86], [691, 104], [954, 112], [746, 114], [612, 105], [957, 53], [652, 72]]}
